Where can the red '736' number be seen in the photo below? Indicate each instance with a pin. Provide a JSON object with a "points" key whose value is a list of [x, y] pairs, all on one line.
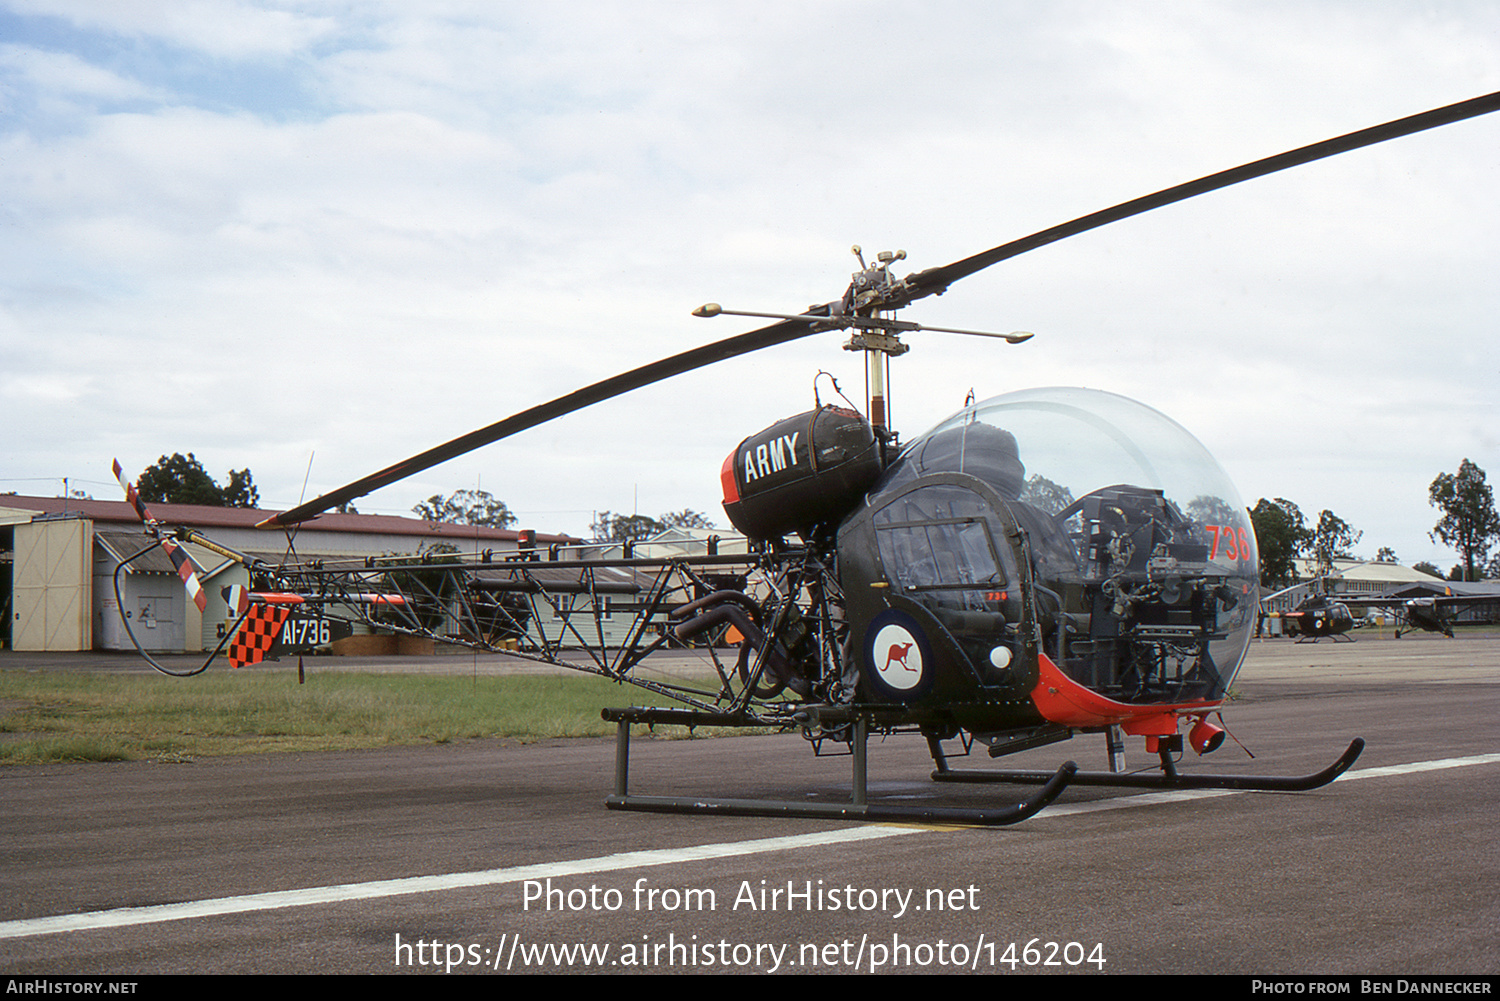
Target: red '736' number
{"points": [[1234, 542]]}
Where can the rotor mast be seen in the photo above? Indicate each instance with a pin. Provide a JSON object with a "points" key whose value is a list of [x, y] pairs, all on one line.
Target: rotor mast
{"points": [[868, 292], [868, 307]]}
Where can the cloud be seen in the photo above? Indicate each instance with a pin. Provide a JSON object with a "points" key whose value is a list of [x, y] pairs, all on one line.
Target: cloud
{"points": [[218, 28], [259, 230], [63, 75]]}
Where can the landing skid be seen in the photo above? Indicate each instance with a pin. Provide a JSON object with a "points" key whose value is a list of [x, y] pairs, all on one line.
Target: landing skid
{"points": [[1169, 778], [858, 807]]}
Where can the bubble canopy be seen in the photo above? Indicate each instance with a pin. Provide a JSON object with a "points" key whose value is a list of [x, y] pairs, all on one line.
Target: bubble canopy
{"points": [[1083, 439], [1142, 552]]}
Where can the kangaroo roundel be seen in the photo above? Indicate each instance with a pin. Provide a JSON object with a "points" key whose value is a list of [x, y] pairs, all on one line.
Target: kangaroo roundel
{"points": [[896, 654]]}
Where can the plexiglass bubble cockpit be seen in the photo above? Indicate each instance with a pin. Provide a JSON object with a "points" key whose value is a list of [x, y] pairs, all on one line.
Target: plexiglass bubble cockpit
{"points": [[1068, 545]]}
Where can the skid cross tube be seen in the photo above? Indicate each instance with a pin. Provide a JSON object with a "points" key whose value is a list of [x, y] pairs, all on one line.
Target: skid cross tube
{"points": [[858, 807], [1169, 778]]}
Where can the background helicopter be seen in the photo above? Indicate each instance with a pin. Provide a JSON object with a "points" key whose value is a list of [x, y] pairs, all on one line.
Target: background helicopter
{"points": [[1317, 616], [928, 592], [1320, 615]]}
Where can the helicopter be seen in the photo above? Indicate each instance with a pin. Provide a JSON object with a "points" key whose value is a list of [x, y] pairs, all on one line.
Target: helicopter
{"points": [[1042, 564], [1414, 607], [1317, 616]]}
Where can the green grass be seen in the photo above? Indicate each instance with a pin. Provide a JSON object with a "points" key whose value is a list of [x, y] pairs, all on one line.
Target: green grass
{"points": [[91, 717]]}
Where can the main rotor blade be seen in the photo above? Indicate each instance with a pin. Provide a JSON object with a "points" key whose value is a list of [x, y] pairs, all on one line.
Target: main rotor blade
{"points": [[919, 285], [934, 281], [755, 340]]}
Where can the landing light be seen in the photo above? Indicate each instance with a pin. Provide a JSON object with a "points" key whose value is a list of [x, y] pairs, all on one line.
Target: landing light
{"points": [[1205, 737]]}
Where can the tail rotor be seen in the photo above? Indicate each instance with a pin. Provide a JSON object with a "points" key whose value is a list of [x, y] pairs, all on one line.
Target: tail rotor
{"points": [[181, 561]]}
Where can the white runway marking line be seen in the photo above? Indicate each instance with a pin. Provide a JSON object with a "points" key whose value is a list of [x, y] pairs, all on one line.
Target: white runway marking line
{"points": [[1420, 766], [126, 916]]}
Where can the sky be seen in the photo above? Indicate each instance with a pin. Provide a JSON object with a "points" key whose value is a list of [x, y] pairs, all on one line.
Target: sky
{"points": [[313, 238]]}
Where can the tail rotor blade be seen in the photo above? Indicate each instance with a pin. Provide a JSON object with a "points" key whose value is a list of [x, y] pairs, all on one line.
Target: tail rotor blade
{"points": [[134, 498], [181, 561], [185, 570]]}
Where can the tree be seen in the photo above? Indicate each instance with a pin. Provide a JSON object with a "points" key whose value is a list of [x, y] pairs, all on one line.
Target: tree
{"points": [[465, 507], [1386, 555], [1428, 568], [686, 518], [611, 527], [1334, 537], [1206, 509], [241, 492], [1281, 537], [1041, 492], [180, 480], [1469, 523]]}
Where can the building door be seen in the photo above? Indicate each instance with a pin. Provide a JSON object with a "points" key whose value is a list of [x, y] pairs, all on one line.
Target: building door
{"points": [[51, 590]]}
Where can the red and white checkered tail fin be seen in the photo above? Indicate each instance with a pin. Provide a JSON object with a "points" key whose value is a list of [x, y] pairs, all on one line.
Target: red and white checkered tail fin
{"points": [[181, 561], [257, 634]]}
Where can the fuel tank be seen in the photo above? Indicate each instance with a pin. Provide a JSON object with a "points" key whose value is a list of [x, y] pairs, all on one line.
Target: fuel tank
{"points": [[800, 472]]}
